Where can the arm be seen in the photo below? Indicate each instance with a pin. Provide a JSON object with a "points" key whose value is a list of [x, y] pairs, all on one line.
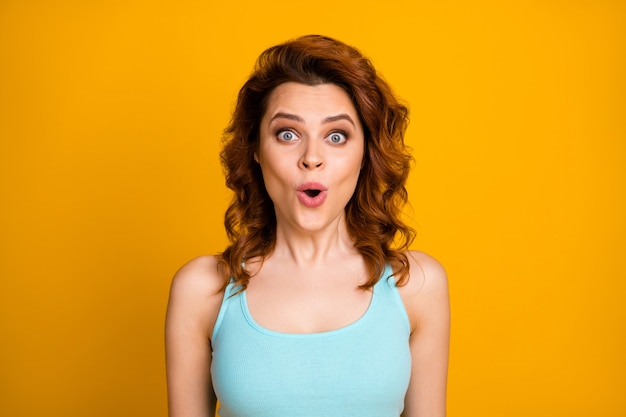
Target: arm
{"points": [[426, 299], [194, 302]]}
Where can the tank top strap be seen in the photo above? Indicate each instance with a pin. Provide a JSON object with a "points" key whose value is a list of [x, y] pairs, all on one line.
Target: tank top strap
{"points": [[230, 293], [387, 297]]}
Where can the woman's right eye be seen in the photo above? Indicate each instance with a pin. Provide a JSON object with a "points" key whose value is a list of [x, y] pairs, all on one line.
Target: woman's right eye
{"points": [[286, 135]]}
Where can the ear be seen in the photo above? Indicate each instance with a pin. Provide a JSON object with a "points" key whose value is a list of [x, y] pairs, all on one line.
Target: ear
{"points": [[256, 157]]}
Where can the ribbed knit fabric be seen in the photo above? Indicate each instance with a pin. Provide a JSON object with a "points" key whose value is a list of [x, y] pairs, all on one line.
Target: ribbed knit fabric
{"points": [[359, 370]]}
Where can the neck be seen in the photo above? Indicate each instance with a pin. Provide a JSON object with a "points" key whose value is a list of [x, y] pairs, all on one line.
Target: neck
{"points": [[306, 248]]}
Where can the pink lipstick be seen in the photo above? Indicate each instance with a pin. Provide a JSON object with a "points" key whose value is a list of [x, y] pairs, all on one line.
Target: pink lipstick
{"points": [[312, 194]]}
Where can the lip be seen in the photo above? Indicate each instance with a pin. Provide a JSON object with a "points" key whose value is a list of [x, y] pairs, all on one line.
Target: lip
{"points": [[312, 201]]}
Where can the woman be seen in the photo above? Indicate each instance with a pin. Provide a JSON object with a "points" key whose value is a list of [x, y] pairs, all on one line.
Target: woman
{"points": [[311, 311]]}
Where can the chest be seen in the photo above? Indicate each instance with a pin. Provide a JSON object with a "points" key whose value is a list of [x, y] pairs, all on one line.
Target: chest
{"points": [[361, 369], [307, 308]]}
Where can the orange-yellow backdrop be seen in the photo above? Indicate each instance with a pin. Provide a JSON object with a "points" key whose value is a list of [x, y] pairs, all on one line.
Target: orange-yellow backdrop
{"points": [[110, 121]]}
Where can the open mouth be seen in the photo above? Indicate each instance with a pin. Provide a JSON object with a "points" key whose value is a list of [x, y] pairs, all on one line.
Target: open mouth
{"points": [[312, 193]]}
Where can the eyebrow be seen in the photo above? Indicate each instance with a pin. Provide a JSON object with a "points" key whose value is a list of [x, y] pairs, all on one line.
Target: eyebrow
{"points": [[297, 118], [342, 116], [287, 116]]}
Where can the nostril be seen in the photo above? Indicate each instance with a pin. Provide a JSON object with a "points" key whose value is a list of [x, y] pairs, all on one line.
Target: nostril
{"points": [[310, 165], [311, 158]]}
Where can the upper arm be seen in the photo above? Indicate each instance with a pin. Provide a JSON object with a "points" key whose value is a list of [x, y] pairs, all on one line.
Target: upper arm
{"points": [[194, 302], [427, 302]]}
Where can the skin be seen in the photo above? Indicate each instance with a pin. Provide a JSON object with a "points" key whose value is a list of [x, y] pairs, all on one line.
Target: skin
{"points": [[308, 133]]}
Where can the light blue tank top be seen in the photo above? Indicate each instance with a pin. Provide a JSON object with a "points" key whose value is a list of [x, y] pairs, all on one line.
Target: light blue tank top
{"points": [[359, 370]]}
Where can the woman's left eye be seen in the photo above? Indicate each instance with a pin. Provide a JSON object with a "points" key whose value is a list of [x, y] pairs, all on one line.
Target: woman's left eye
{"points": [[337, 137]]}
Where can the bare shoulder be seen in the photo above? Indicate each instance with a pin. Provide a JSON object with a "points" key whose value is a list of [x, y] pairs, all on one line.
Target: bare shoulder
{"points": [[200, 275], [426, 292], [425, 272], [196, 293], [425, 297]]}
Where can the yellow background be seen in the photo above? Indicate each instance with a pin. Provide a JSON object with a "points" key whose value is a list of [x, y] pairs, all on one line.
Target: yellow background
{"points": [[110, 120]]}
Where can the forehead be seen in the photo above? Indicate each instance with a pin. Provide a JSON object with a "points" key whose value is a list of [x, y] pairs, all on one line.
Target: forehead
{"points": [[314, 100]]}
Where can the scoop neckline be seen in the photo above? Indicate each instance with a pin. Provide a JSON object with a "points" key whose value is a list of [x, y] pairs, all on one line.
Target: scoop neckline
{"points": [[327, 333]]}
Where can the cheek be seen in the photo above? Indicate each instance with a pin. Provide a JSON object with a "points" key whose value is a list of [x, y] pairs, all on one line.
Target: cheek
{"points": [[351, 174], [356, 167], [275, 175], [354, 163]]}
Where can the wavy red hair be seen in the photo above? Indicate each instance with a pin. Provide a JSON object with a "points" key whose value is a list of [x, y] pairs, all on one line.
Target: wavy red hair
{"points": [[373, 213]]}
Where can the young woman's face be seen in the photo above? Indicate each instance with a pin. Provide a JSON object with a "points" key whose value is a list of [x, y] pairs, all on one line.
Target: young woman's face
{"points": [[310, 152]]}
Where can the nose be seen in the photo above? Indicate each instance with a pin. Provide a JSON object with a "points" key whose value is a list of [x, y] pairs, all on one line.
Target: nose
{"points": [[312, 157]]}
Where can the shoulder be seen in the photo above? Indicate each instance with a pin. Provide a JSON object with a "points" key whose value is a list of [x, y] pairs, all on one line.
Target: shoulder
{"points": [[426, 292], [425, 296], [196, 292], [200, 275], [426, 274]]}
